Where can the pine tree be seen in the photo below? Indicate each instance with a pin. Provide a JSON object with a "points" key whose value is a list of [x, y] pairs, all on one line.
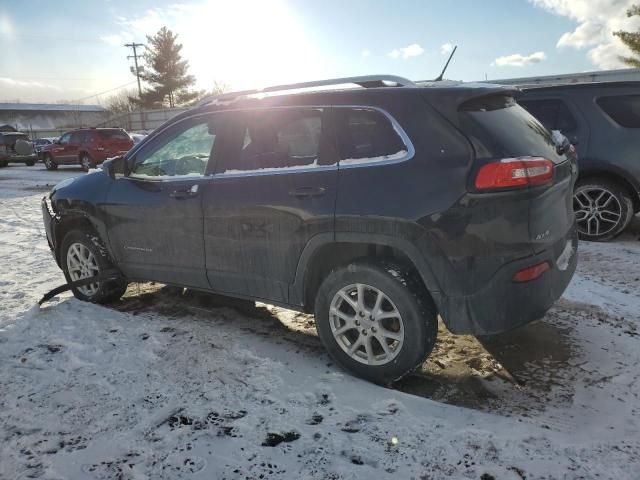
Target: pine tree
{"points": [[631, 40], [166, 71]]}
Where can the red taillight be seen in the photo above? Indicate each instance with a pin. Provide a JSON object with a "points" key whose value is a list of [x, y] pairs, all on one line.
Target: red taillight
{"points": [[514, 172], [531, 273]]}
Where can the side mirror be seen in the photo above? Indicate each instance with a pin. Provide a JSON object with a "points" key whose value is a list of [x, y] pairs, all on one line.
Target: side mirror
{"points": [[115, 166], [561, 142]]}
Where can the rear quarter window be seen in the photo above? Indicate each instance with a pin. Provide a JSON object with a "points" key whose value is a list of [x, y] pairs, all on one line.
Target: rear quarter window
{"points": [[114, 135], [500, 128], [622, 109], [366, 135]]}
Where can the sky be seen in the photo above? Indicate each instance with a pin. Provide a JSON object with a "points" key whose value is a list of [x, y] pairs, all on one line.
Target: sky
{"points": [[74, 50]]}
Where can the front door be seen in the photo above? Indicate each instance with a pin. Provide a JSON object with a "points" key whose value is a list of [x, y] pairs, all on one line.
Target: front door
{"points": [[274, 189], [59, 150], [155, 213]]}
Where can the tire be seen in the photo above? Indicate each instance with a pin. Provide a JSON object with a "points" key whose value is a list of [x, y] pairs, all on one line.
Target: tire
{"points": [[30, 163], [81, 242], [86, 162], [603, 209], [402, 291], [3, 163], [49, 163]]}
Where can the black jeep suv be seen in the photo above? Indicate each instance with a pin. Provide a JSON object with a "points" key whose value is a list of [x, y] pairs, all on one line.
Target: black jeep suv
{"points": [[376, 208], [602, 120]]}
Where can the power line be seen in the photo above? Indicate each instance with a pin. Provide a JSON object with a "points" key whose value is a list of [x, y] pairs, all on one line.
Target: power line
{"points": [[135, 60], [106, 91]]}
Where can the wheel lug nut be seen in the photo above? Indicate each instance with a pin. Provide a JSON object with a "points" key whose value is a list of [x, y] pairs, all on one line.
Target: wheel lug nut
{"points": [[364, 332], [361, 314], [358, 322]]}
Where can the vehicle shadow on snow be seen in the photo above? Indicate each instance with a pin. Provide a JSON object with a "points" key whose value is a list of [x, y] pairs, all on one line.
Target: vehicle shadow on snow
{"points": [[522, 371]]}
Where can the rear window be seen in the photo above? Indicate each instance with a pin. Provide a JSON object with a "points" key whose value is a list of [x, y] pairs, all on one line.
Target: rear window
{"points": [[554, 114], [623, 109], [10, 138], [114, 134], [500, 128]]}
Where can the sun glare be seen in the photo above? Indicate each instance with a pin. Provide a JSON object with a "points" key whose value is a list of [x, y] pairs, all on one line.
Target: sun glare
{"points": [[246, 44]]}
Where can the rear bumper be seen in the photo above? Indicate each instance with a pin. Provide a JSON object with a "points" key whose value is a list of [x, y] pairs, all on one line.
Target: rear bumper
{"points": [[502, 304], [19, 158]]}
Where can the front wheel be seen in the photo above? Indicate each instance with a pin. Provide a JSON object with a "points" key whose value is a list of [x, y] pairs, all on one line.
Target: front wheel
{"points": [[49, 163], [84, 256], [376, 320], [30, 163], [603, 209]]}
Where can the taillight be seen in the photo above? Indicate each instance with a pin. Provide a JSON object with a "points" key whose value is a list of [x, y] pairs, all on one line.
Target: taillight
{"points": [[514, 172], [531, 273]]}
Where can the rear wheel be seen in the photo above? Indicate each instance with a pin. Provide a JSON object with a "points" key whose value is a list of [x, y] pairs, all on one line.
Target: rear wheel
{"points": [[30, 163], [3, 163], [49, 163], [83, 256], [603, 209], [86, 162], [376, 320]]}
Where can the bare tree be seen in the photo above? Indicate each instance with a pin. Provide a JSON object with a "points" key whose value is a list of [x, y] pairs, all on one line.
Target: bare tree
{"points": [[121, 102]]}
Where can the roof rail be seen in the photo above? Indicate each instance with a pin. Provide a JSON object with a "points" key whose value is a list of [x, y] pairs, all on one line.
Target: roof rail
{"points": [[366, 81]]}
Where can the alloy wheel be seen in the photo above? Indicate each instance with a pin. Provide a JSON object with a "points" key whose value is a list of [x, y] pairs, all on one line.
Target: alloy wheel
{"points": [[597, 210], [81, 263], [366, 324]]}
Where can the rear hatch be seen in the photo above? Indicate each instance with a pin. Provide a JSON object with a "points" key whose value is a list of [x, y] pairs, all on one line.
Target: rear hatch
{"points": [[115, 140], [8, 141], [503, 132]]}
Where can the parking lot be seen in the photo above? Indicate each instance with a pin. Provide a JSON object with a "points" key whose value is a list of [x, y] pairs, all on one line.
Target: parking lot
{"points": [[179, 384]]}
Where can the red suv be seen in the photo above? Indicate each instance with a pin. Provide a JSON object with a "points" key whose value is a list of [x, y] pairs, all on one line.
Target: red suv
{"points": [[86, 146]]}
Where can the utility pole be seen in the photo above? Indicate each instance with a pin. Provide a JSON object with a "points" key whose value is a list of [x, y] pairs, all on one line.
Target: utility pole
{"points": [[135, 60]]}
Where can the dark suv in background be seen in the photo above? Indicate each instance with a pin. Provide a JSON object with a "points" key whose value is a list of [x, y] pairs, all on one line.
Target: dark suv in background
{"points": [[15, 147], [87, 147], [376, 208], [602, 120]]}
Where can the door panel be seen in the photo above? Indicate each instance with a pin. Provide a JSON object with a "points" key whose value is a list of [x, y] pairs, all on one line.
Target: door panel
{"points": [[272, 193], [155, 214]]}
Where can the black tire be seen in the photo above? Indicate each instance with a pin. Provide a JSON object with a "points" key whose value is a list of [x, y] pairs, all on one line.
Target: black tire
{"points": [[48, 162], [3, 163], [605, 226], [86, 162], [30, 163], [406, 291], [106, 291]]}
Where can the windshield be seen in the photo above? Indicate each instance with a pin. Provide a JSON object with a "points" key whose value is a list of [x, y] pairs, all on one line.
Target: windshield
{"points": [[500, 128]]}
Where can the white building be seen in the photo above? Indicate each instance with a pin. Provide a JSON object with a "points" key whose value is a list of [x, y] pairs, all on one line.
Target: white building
{"points": [[622, 75]]}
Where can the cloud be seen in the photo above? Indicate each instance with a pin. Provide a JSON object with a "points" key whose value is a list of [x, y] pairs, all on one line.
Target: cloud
{"points": [[413, 50], [597, 20], [11, 82], [365, 53], [446, 48], [518, 60]]}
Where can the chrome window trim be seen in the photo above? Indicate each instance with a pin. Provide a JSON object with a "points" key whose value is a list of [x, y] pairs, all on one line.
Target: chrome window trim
{"points": [[293, 170]]}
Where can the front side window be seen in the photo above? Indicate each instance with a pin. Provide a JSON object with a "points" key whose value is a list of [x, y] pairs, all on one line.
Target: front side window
{"points": [[273, 140], [622, 109], [366, 136], [64, 139], [183, 152]]}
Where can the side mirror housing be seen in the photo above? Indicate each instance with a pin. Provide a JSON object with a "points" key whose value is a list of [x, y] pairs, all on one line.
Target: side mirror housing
{"points": [[115, 167]]}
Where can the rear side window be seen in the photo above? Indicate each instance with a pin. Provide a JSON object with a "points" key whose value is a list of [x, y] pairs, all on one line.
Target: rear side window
{"points": [[623, 109], [367, 136], [553, 114], [272, 140], [115, 134], [500, 128]]}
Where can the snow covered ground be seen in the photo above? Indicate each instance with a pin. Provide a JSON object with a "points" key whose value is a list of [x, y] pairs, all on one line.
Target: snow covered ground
{"points": [[169, 384]]}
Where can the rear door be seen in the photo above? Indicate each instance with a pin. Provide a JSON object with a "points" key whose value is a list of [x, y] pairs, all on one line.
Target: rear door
{"points": [[273, 191], [155, 213]]}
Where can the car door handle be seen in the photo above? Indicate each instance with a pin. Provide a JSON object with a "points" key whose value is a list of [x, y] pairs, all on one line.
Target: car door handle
{"points": [[182, 193], [308, 192]]}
